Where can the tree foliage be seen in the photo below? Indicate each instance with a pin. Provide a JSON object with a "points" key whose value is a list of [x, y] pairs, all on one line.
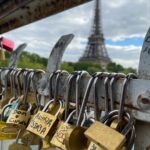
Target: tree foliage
{"points": [[34, 61]]}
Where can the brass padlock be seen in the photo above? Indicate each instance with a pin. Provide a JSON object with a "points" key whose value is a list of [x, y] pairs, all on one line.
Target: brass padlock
{"points": [[100, 134], [74, 136], [93, 146], [18, 146], [31, 138], [43, 122], [5, 100], [53, 109], [19, 116], [12, 105], [2, 55], [7, 133], [58, 139]]}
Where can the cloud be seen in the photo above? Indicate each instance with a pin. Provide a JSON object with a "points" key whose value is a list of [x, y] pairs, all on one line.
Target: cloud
{"points": [[120, 20], [128, 56], [127, 63]]}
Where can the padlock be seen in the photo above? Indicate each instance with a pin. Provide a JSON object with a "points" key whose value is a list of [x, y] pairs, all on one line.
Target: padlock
{"points": [[74, 136], [94, 146], [58, 139], [4, 101], [101, 134], [6, 44], [20, 117], [2, 55], [108, 138], [46, 141], [28, 137], [18, 146], [43, 122], [13, 104], [7, 133]]}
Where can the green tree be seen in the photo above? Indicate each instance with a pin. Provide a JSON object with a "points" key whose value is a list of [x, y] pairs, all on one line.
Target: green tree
{"points": [[67, 66], [34, 61]]}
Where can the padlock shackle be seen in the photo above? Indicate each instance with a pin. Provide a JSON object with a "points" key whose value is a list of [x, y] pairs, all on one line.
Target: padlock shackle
{"points": [[96, 104], [85, 99], [78, 88], [27, 80], [115, 77], [70, 79], [49, 103], [124, 90], [70, 116]]}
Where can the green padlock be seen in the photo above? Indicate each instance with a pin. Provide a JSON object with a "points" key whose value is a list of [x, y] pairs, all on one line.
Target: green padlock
{"points": [[8, 108]]}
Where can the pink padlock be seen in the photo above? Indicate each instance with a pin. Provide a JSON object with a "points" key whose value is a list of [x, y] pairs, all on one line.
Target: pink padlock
{"points": [[6, 44]]}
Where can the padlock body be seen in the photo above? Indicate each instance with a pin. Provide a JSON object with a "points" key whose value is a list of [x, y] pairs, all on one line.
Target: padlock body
{"points": [[19, 118], [58, 139], [9, 135], [73, 139], [7, 132], [30, 138], [105, 137], [8, 110], [16, 146], [7, 44], [41, 124], [2, 55]]}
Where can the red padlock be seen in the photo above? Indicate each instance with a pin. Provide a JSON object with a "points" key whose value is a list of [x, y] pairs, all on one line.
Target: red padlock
{"points": [[6, 44]]}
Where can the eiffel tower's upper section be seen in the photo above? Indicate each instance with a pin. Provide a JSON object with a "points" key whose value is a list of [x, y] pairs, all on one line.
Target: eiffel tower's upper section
{"points": [[95, 49]]}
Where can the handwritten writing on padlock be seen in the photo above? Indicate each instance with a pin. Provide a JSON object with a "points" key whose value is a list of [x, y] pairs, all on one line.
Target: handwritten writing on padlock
{"points": [[58, 139], [19, 117], [43, 121]]}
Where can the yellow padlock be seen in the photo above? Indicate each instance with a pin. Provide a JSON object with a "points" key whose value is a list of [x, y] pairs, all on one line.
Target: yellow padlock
{"points": [[101, 134], [7, 133], [2, 55], [19, 117], [58, 139]]}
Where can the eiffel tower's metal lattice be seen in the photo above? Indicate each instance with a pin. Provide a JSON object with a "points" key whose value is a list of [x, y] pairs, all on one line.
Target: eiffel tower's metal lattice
{"points": [[95, 49]]}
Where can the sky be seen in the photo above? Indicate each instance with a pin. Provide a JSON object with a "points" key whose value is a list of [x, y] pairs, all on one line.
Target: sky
{"points": [[124, 24]]}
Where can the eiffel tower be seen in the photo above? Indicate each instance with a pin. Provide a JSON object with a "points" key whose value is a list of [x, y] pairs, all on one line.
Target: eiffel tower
{"points": [[95, 49]]}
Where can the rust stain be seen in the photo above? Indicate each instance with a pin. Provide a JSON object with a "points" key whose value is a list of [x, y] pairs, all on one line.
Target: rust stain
{"points": [[31, 11]]}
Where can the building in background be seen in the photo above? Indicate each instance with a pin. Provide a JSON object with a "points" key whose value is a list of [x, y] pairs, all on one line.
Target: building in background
{"points": [[95, 49]]}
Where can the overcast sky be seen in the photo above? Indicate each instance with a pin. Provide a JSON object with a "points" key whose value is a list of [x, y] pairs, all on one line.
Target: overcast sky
{"points": [[125, 23]]}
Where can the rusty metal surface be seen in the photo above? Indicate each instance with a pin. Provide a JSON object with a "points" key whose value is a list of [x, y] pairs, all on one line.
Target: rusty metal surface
{"points": [[54, 61], [16, 13], [135, 89]]}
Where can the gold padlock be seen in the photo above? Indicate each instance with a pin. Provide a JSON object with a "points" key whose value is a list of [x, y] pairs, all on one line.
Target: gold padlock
{"points": [[5, 100], [43, 122], [101, 134], [53, 109], [18, 146], [58, 139], [7, 133], [19, 117], [2, 55], [31, 138], [93, 146]]}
